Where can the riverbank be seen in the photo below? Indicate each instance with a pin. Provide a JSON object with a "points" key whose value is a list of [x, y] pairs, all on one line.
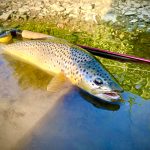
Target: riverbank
{"points": [[131, 14]]}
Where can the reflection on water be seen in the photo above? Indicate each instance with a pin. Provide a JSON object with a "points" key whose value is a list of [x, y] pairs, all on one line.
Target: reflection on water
{"points": [[99, 103], [32, 118], [27, 75], [22, 103]]}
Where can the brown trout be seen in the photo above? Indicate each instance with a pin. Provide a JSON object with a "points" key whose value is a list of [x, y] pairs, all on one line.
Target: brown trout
{"points": [[64, 59]]}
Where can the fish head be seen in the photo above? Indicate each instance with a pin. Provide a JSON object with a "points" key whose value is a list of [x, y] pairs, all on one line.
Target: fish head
{"points": [[97, 81]]}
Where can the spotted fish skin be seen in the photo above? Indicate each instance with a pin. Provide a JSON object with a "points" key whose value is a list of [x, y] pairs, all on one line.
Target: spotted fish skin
{"points": [[52, 57], [78, 65]]}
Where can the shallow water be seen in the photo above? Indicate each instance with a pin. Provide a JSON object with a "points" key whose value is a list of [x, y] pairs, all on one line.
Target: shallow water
{"points": [[32, 118]]}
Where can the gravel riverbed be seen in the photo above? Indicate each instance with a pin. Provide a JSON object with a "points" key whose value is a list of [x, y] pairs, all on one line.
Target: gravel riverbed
{"points": [[133, 13]]}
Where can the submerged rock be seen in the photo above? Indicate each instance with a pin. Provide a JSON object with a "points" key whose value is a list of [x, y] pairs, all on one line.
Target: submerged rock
{"points": [[129, 13], [134, 20]]}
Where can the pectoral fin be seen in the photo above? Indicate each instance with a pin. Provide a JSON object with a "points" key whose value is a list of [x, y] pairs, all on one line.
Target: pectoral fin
{"points": [[56, 83]]}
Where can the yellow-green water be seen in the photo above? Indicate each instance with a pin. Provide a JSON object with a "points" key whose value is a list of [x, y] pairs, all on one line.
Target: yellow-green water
{"points": [[32, 118]]}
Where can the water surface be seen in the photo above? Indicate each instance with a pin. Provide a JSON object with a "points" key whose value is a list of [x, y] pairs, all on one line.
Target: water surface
{"points": [[32, 118]]}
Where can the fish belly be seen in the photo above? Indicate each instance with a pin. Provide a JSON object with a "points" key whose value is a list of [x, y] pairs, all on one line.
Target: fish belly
{"points": [[38, 60]]}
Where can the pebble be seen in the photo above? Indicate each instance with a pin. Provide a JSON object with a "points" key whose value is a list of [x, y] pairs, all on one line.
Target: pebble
{"points": [[6, 16], [110, 17], [141, 25], [89, 17], [129, 13], [57, 8], [137, 5], [88, 11], [134, 20], [138, 86], [87, 6], [23, 10]]}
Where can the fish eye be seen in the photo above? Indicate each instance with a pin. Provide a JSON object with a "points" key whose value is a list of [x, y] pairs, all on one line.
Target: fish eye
{"points": [[98, 81]]}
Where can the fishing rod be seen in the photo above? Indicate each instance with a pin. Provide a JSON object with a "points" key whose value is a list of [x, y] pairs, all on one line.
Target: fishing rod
{"points": [[114, 55], [95, 51]]}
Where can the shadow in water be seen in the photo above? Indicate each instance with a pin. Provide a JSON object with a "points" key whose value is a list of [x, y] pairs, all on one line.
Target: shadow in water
{"points": [[99, 103], [28, 75]]}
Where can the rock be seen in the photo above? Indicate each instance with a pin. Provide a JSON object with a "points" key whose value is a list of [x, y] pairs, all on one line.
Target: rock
{"points": [[140, 16], [37, 8], [137, 5], [141, 25], [87, 6], [40, 4], [73, 15], [134, 20], [58, 8], [110, 17], [44, 10], [89, 17], [6, 15], [129, 13], [133, 9], [138, 86], [72, 11], [148, 29], [129, 3], [145, 3], [24, 17], [69, 10], [130, 29], [33, 14], [144, 12], [147, 20], [23, 10]]}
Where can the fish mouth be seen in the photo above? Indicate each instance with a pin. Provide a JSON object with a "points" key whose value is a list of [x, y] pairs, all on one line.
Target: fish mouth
{"points": [[110, 96]]}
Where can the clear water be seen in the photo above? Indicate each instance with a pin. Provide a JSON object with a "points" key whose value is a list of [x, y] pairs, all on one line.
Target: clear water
{"points": [[33, 119]]}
